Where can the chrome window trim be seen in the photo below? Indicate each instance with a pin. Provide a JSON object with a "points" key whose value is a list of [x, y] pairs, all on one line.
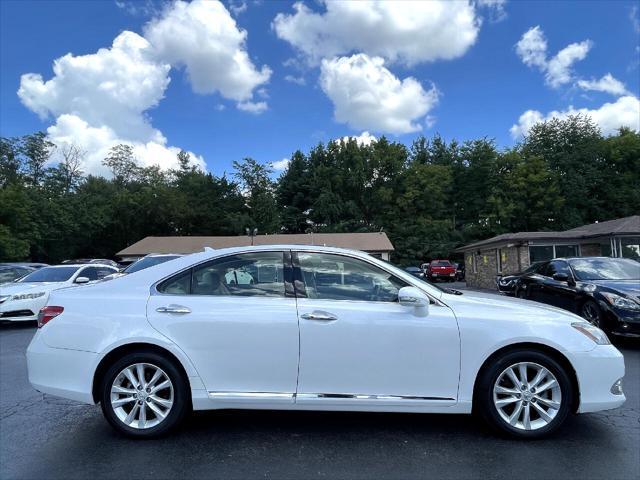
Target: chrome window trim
{"points": [[154, 291]]}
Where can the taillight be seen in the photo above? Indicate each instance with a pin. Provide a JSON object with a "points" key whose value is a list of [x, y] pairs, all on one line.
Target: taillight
{"points": [[48, 313]]}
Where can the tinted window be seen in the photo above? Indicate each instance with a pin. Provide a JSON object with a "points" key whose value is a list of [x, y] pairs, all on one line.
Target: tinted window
{"points": [[10, 274], [147, 262], [249, 274], [336, 277], [441, 263], [51, 274], [606, 269], [557, 267], [540, 253], [96, 273]]}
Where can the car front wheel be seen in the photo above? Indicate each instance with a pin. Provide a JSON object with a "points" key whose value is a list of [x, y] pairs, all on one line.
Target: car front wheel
{"points": [[144, 395], [525, 394]]}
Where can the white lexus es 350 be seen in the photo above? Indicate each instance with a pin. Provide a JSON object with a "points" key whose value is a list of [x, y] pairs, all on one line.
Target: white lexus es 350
{"points": [[315, 328]]}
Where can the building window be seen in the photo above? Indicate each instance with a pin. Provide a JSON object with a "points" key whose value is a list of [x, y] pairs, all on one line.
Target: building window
{"points": [[630, 247], [566, 251], [500, 259], [541, 253]]}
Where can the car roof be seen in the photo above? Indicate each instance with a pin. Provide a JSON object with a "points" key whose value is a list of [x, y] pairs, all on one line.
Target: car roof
{"points": [[78, 265]]}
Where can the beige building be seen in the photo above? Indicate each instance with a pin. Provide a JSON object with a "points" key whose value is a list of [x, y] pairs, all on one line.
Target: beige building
{"points": [[513, 252], [376, 244]]}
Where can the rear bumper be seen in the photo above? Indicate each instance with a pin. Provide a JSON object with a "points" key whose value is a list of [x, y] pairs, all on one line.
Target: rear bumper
{"points": [[61, 372], [597, 371]]}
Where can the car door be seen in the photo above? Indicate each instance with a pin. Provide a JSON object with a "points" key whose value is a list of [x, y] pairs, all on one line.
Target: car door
{"points": [[358, 344], [235, 317], [559, 293], [533, 283]]}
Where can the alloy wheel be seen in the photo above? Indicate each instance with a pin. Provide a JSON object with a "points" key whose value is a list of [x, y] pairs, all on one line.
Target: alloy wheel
{"points": [[142, 395], [527, 396], [591, 314]]}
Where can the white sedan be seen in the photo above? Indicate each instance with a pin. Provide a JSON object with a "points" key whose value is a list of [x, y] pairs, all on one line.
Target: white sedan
{"points": [[319, 328], [23, 299]]}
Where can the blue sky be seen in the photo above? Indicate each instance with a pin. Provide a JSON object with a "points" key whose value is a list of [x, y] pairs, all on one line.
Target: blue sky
{"points": [[460, 87]]}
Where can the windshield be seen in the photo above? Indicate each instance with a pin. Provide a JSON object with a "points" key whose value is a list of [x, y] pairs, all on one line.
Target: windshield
{"points": [[395, 268], [50, 274], [147, 262], [606, 269]]}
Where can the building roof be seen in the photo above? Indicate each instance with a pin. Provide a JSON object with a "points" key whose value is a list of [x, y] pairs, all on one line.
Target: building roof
{"points": [[621, 226], [368, 242]]}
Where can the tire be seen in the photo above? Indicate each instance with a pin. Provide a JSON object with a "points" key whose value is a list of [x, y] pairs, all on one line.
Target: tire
{"points": [[591, 312], [497, 406], [521, 294], [163, 409]]}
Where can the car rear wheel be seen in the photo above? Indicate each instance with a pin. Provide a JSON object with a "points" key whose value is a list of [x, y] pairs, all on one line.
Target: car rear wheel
{"points": [[525, 394], [144, 395]]}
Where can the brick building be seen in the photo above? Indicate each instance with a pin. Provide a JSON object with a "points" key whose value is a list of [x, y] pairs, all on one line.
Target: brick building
{"points": [[513, 252]]}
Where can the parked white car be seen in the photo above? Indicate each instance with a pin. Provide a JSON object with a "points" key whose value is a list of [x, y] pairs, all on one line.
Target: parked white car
{"points": [[318, 329], [23, 299]]}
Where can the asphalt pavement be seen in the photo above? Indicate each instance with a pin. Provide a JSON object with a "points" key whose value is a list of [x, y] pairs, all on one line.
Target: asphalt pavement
{"points": [[43, 437]]}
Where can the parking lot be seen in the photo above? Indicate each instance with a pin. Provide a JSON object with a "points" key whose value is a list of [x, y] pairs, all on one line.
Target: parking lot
{"points": [[45, 437]]}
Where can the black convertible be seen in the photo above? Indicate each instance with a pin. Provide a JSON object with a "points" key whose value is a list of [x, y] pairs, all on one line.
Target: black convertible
{"points": [[605, 291]]}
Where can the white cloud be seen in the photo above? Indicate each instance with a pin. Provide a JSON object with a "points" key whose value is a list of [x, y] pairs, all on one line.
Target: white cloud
{"points": [[365, 138], [96, 141], [366, 95], [607, 84], [110, 87], [238, 7], [624, 112], [101, 99], [401, 30], [280, 165], [496, 9], [635, 18], [532, 49], [296, 80], [253, 107], [204, 38]]}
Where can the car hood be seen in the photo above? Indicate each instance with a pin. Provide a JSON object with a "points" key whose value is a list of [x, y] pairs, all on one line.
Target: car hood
{"points": [[15, 288], [630, 287], [500, 306]]}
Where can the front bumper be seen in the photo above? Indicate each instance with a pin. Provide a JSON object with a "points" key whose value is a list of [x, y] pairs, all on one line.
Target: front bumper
{"points": [[22, 310], [597, 371], [61, 372], [624, 323]]}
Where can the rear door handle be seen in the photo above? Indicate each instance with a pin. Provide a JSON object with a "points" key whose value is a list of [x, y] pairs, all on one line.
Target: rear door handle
{"points": [[173, 309], [319, 315]]}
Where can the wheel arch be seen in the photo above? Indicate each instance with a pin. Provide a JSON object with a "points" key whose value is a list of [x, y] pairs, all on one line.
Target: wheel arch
{"points": [[552, 352], [125, 349]]}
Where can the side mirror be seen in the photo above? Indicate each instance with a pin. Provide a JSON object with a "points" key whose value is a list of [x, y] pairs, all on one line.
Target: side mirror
{"points": [[413, 297], [82, 280], [563, 277]]}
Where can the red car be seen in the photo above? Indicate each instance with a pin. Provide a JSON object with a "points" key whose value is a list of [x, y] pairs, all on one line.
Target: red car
{"points": [[441, 269]]}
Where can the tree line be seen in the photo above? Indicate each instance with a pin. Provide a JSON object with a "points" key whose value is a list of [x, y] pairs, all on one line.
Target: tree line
{"points": [[429, 198]]}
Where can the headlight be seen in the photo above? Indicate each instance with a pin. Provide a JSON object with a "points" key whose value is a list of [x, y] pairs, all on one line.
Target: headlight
{"points": [[621, 302], [27, 296], [593, 332], [504, 282]]}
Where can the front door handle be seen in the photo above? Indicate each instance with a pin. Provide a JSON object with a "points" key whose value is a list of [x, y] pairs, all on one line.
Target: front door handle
{"points": [[173, 309], [319, 315]]}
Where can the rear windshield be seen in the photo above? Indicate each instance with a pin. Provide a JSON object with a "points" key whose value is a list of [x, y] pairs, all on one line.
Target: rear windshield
{"points": [[51, 274], [147, 262], [441, 263]]}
